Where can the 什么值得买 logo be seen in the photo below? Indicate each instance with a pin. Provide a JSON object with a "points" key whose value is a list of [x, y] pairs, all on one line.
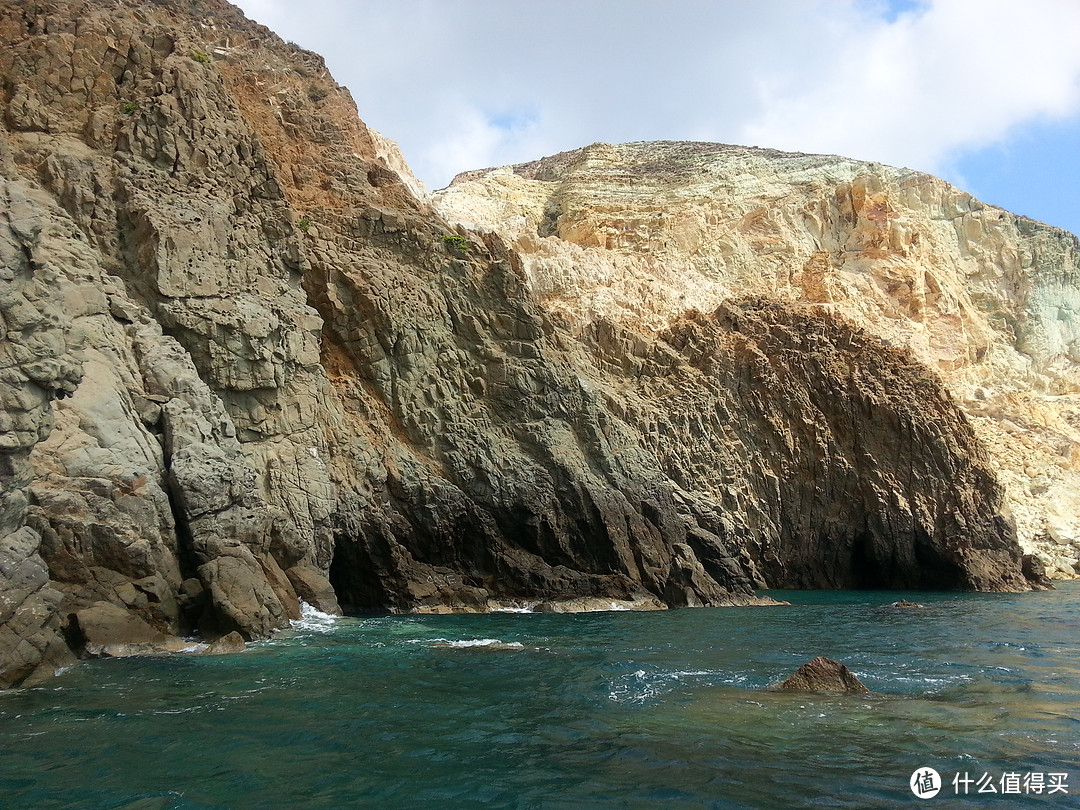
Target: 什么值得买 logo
{"points": [[925, 783]]}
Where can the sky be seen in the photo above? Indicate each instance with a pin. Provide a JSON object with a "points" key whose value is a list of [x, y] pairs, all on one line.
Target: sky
{"points": [[983, 93]]}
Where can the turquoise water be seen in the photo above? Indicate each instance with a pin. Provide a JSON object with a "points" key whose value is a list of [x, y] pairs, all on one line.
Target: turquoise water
{"points": [[625, 710]]}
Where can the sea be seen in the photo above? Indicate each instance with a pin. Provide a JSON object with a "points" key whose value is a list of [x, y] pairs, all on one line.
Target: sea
{"points": [[974, 702]]}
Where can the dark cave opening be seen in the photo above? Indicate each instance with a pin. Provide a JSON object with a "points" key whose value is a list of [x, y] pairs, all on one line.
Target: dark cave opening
{"points": [[354, 578]]}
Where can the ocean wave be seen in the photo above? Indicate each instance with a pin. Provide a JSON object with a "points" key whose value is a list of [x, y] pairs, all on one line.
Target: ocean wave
{"points": [[468, 643], [483, 642], [491, 643], [911, 682], [641, 686], [313, 620], [928, 679]]}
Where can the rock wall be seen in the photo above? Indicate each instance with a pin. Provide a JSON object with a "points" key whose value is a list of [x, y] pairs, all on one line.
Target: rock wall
{"points": [[244, 365], [160, 268], [642, 233]]}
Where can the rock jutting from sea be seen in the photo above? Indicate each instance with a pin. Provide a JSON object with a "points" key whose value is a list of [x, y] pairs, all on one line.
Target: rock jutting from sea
{"points": [[245, 363]]}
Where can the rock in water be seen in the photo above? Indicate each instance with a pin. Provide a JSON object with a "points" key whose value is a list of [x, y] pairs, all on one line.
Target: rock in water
{"points": [[1035, 571], [226, 645], [245, 363], [823, 675], [104, 629]]}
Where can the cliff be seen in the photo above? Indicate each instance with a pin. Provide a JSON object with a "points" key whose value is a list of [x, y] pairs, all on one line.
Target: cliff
{"points": [[244, 365], [639, 234]]}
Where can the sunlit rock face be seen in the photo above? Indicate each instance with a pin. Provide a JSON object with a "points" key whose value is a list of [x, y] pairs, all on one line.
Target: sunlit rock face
{"points": [[641, 234], [245, 365]]}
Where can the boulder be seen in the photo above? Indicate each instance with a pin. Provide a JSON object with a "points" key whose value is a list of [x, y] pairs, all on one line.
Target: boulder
{"points": [[314, 589], [1035, 571], [592, 604], [241, 597], [229, 643], [107, 630], [823, 675]]}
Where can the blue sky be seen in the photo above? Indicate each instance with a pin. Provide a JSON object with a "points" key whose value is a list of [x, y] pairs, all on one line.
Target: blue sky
{"points": [[1033, 169], [983, 93], [1035, 172], [890, 10]]}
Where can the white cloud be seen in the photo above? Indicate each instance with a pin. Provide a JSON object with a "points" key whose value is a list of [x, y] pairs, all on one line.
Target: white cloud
{"points": [[914, 92], [477, 83]]}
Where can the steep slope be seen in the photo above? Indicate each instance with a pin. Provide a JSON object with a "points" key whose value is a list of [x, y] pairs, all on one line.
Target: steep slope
{"points": [[641, 233], [244, 365]]}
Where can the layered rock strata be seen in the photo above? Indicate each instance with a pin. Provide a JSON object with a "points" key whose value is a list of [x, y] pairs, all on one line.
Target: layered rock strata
{"points": [[640, 234], [244, 365]]}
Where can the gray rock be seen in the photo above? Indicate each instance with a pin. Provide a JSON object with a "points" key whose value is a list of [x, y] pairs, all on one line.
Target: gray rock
{"points": [[31, 641], [312, 587], [242, 600], [105, 629]]}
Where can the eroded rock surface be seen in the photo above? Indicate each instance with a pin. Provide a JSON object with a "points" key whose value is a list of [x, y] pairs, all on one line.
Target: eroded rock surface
{"points": [[640, 234], [242, 367]]}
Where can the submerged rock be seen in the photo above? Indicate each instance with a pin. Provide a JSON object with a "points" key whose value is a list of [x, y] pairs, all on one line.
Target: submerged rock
{"points": [[823, 675], [906, 604]]}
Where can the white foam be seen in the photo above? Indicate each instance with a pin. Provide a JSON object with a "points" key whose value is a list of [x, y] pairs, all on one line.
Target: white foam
{"points": [[485, 642], [314, 621], [467, 643], [633, 688], [640, 686]]}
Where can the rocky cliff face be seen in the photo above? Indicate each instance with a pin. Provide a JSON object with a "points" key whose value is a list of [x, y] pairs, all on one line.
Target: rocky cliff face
{"points": [[639, 234], [243, 365]]}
